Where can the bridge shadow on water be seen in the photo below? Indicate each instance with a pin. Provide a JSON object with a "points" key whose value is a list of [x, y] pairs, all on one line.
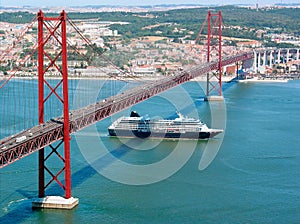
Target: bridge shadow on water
{"points": [[229, 84], [23, 210], [201, 100], [88, 171]]}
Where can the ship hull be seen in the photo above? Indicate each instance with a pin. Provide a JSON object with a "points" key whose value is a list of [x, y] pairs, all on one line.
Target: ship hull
{"points": [[153, 134]]}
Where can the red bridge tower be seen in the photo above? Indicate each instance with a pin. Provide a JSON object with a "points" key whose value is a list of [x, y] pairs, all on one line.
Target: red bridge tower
{"points": [[214, 53], [53, 30]]}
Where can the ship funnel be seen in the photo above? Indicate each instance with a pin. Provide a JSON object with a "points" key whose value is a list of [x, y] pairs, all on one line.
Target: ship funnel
{"points": [[134, 114]]}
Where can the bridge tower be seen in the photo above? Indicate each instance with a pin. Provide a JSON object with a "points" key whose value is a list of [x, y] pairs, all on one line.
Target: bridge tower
{"points": [[50, 30], [214, 53]]}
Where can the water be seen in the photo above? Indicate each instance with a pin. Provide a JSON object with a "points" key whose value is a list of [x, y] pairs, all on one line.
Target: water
{"points": [[253, 179]]}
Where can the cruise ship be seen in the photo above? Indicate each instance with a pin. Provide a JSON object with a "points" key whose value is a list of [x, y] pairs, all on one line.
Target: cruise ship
{"points": [[144, 127]]}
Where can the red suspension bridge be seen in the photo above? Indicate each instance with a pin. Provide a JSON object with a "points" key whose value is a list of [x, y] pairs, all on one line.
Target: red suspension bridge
{"points": [[35, 135]]}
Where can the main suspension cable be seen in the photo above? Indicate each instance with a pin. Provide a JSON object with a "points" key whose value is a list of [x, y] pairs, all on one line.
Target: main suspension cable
{"points": [[100, 53]]}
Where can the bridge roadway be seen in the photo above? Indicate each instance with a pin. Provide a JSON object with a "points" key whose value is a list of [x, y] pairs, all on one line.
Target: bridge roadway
{"points": [[17, 146]]}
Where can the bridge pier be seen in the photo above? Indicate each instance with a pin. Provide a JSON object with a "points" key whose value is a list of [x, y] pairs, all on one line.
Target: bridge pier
{"points": [[214, 98], [278, 57], [55, 202], [261, 63], [271, 59], [255, 62]]}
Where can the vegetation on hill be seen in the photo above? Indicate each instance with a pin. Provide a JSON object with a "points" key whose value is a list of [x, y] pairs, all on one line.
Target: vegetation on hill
{"points": [[186, 20]]}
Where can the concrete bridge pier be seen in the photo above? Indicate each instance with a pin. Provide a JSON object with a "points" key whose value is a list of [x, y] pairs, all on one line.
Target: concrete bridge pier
{"points": [[214, 98], [261, 64], [271, 59], [264, 60], [278, 57], [255, 62], [55, 202]]}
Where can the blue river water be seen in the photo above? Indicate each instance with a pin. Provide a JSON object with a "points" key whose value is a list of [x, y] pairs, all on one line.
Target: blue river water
{"points": [[254, 177]]}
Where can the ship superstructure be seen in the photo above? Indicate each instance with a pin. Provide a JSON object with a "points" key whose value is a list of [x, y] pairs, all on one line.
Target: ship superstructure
{"points": [[143, 127]]}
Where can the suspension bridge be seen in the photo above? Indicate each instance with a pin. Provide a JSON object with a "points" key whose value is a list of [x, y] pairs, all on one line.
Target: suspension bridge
{"points": [[53, 129]]}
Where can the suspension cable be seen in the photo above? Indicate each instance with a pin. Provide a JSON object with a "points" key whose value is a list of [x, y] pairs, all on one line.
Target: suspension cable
{"points": [[18, 68], [9, 49], [92, 46]]}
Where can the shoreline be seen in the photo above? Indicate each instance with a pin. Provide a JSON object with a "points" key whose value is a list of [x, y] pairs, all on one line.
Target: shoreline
{"points": [[120, 78]]}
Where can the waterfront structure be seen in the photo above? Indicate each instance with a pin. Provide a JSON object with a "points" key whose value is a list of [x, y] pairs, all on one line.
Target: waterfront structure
{"points": [[270, 57]]}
